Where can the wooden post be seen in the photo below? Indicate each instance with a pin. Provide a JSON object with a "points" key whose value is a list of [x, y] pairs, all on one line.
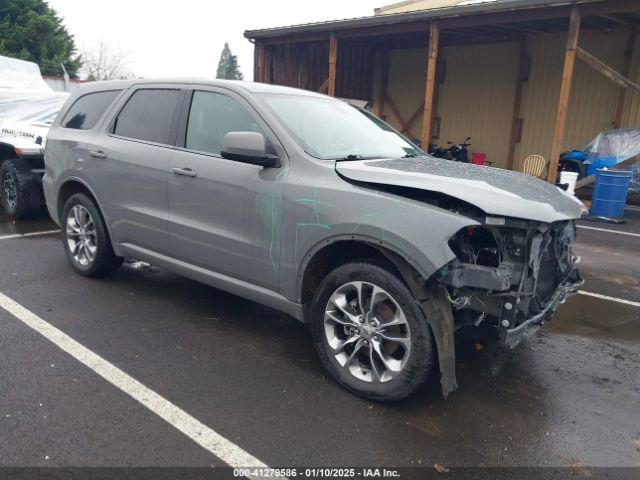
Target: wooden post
{"points": [[622, 92], [378, 105], [430, 85], [565, 90], [262, 67], [333, 60], [515, 123]]}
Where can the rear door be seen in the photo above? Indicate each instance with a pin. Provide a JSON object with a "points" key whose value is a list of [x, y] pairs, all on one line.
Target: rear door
{"points": [[133, 160], [224, 215]]}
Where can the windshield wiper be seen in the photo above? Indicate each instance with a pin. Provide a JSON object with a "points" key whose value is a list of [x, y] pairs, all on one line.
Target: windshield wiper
{"points": [[352, 156], [410, 155]]}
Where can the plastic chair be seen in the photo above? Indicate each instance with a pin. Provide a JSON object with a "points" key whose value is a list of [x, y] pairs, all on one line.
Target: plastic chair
{"points": [[534, 165]]}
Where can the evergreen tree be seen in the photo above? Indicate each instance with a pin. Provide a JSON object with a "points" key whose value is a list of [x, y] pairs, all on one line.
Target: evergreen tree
{"points": [[228, 68], [31, 30]]}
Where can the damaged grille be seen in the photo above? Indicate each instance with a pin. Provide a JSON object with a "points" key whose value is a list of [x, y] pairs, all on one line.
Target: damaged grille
{"points": [[524, 262], [551, 250], [515, 275]]}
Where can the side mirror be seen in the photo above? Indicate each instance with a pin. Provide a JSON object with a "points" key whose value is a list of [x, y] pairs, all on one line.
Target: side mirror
{"points": [[247, 147]]}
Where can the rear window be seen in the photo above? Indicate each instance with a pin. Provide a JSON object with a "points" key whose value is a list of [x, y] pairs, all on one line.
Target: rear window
{"points": [[147, 115], [87, 110]]}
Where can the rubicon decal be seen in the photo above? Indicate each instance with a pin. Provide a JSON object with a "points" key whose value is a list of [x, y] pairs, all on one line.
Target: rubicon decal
{"points": [[18, 133]]}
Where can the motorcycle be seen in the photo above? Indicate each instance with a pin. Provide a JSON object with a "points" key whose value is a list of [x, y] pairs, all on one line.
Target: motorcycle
{"points": [[457, 152]]}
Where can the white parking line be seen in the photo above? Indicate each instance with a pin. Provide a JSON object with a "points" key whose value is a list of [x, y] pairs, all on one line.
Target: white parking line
{"points": [[611, 299], [609, 231], [204, 436], [31, 234]]}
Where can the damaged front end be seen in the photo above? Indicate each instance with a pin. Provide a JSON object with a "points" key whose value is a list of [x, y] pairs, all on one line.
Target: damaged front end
{"points": [[511, 273]]}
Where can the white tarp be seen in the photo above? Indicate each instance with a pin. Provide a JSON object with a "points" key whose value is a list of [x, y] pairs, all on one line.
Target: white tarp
{"points": [[24, 95], [21, 75], [620, 144]]}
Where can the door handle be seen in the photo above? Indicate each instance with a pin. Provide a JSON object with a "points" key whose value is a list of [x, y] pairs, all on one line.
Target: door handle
{"points": [[187, 172], [97, 154]]}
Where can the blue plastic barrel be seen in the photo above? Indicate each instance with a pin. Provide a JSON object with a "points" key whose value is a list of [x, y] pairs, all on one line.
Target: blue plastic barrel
{"points": [[610, 193]]}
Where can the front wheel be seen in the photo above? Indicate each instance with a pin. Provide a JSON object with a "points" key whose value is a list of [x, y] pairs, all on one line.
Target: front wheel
{"points": [[370, 332], [85, 237]]}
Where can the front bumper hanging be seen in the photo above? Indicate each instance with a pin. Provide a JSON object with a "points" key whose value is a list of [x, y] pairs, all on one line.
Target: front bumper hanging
{"points": [[512, 335]]}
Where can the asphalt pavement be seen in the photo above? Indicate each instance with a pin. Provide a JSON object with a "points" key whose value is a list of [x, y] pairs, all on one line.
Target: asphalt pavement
{"points": [[569, 396]]}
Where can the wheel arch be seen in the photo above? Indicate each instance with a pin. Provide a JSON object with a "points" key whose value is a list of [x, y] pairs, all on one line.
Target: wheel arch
{"points": [[7, 151], [333, 252], [71, 186]]}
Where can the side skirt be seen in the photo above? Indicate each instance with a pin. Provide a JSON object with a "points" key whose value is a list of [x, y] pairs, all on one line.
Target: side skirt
{"points": [[232, 285]]}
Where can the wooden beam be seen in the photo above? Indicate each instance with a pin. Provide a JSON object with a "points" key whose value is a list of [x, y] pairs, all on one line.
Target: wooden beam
{"points": [[517, 103], [614, 19], [618, 166], [432, 60], [626, 70], [378, 107], [333, 60], [392, 106], [565, 90], [607, 71], [262, 64], [323, 87], [407, 126]]}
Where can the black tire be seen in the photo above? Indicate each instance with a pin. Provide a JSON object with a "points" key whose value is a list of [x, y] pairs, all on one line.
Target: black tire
{"points": [[26, 193], [105, 260], [421, 357]]}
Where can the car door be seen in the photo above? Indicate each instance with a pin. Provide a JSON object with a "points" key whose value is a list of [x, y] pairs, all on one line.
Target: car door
{"points": [[132, 159], [224, 215]]}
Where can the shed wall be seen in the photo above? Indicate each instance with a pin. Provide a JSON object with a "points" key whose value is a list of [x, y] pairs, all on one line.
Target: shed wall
{"points": [[477, 96], [631, 111], [593, 96]]}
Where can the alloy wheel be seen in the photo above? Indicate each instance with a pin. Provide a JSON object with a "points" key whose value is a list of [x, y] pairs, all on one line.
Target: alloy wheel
{"points": [[367, 331], [82, 239]]}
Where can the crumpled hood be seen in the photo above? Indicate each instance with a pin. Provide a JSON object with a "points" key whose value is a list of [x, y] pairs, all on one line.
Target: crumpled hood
{"points": [[494, 190]]}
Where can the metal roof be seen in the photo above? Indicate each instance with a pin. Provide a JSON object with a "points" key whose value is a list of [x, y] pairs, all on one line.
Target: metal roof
{"points": [[498, 6]]}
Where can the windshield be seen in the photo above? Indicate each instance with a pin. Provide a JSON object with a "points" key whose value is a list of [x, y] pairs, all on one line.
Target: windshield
{"points": [[331, 129]]}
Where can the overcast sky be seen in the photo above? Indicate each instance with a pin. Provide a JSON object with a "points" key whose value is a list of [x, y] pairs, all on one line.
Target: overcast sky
{"points": [[184, 38]]}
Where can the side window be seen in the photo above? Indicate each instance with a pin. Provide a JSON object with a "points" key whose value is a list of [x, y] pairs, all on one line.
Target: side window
{"points": [[213, 115], [147, 115], [87, 110]]}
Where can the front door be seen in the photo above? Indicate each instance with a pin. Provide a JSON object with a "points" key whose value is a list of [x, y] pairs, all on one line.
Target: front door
{"points": [[224, 215]]}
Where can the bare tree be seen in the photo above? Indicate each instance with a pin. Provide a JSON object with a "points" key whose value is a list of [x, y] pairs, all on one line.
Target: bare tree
{"points": [[105, 63]]}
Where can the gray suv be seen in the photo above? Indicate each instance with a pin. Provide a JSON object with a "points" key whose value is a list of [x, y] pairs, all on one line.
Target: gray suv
{"points": [[314, 207]]}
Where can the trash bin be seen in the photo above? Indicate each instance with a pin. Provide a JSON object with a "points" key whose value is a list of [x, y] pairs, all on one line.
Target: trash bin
{"points": [[610, 193]]}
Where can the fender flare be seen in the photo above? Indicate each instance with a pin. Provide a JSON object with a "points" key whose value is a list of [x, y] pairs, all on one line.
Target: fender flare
{"points": [[81, 181], [380, 245]]}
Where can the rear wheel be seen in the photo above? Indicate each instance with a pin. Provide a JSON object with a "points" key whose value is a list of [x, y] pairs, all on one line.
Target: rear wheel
{"points": [[20, 190], [370, 332], [85, 237]]}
